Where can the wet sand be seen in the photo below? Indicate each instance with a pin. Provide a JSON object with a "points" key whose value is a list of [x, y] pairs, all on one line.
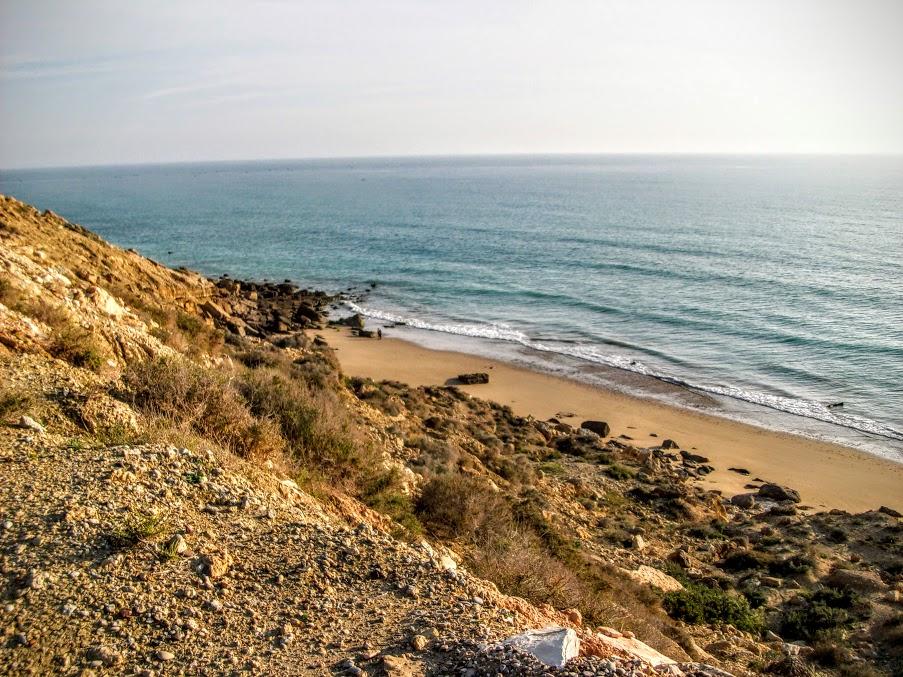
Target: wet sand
{"points": [[826, 475]]}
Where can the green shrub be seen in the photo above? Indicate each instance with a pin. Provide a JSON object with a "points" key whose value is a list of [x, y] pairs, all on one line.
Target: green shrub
{"points": [[77, 346], [698, 604], [814, 614], [619, 472]]}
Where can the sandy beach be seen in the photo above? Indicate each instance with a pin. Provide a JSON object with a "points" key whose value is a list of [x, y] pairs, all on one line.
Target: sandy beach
{"points": [[826, 475]]}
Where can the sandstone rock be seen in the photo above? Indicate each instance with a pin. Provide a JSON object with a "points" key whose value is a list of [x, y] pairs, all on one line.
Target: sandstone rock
{"points": [[857, 579], [889, 511], [669, 444], [216, 565], [418, 642], [778, 493], [474, 378], [552, 646], [601, 428], [574, 616], [104, 654], [400, 666], [646, 575], [29, 423], [177, 545]]}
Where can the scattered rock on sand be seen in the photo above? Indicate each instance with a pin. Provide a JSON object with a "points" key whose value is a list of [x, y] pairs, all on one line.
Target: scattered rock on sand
{"points": [[474, 378], [778, 493], [691, 458], [669, 444], [599, 427]]}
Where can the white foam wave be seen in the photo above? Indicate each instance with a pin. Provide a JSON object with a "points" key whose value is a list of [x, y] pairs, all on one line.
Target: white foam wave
{"points": [[502, 332]]}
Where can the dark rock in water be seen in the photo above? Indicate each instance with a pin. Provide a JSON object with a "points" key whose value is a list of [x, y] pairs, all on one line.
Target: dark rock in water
{"points": [[599, 427], [692, 458], [778, 493], [889, 511], [739, 471], [474, 379], [669, 444], [835, 405]]}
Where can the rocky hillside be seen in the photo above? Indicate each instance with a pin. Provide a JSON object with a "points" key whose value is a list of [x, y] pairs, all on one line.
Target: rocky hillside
{"points": [[192, 486]]}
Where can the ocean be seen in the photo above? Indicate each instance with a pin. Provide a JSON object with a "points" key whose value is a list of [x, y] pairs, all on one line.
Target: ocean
{"points": [[765, 289]]}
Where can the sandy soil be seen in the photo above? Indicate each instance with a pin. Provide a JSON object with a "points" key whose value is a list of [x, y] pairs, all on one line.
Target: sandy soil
{"points": [[826, 475]]}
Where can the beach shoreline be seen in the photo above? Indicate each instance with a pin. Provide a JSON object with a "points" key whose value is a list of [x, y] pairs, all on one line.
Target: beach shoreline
{"points": [[827, 475]]}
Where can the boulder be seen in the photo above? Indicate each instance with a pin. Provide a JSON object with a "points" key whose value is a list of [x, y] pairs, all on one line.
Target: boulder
{"points": [[669, 444], [745, 501], [355, 321], [889, 511], [552, 646], [474, 378], [599, 427], [778, 493]]}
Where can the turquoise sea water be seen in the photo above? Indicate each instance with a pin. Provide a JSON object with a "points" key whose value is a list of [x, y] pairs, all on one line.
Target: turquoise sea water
{"points": [[765, 288]]}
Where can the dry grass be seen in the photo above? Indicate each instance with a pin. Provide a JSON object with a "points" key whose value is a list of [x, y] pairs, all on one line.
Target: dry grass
{"points": [[267, 413], [14, 401], [182, 395]]}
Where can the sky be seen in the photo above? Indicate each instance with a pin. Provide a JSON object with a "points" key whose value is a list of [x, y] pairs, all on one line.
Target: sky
{"points": [[94, 82]]}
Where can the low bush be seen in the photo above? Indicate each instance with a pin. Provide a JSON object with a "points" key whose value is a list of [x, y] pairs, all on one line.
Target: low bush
{"points": [[823, 611], [619, 472], [78, 346], [202, 401], [698, 604], [457, 506]]}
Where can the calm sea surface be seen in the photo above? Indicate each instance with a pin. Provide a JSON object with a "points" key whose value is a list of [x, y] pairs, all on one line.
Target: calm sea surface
{"points": [[764, 288]]}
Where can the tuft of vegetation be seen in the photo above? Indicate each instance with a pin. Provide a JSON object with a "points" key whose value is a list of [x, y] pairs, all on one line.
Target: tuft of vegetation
{"points": [[818, 613], [13, 401], [698, 604], [138, 527], [269, 412], [619, 472]]}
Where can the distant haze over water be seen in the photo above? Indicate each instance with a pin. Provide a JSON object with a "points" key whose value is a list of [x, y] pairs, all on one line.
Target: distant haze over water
{"points": [[774, 281]]}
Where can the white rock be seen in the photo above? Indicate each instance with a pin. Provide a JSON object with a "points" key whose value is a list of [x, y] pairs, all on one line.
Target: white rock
{"points": [[552, 646], [29, 423]]}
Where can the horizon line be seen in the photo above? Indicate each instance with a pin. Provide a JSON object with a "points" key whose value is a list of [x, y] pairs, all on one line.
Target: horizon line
{"points": [[424, 156]]}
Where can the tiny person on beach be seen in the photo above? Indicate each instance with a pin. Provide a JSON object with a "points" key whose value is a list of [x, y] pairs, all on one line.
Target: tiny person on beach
{"points": [[379, 333]]}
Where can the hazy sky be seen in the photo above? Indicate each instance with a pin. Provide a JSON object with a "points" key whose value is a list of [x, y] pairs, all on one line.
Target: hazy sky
{"points": [[87, 82]]}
